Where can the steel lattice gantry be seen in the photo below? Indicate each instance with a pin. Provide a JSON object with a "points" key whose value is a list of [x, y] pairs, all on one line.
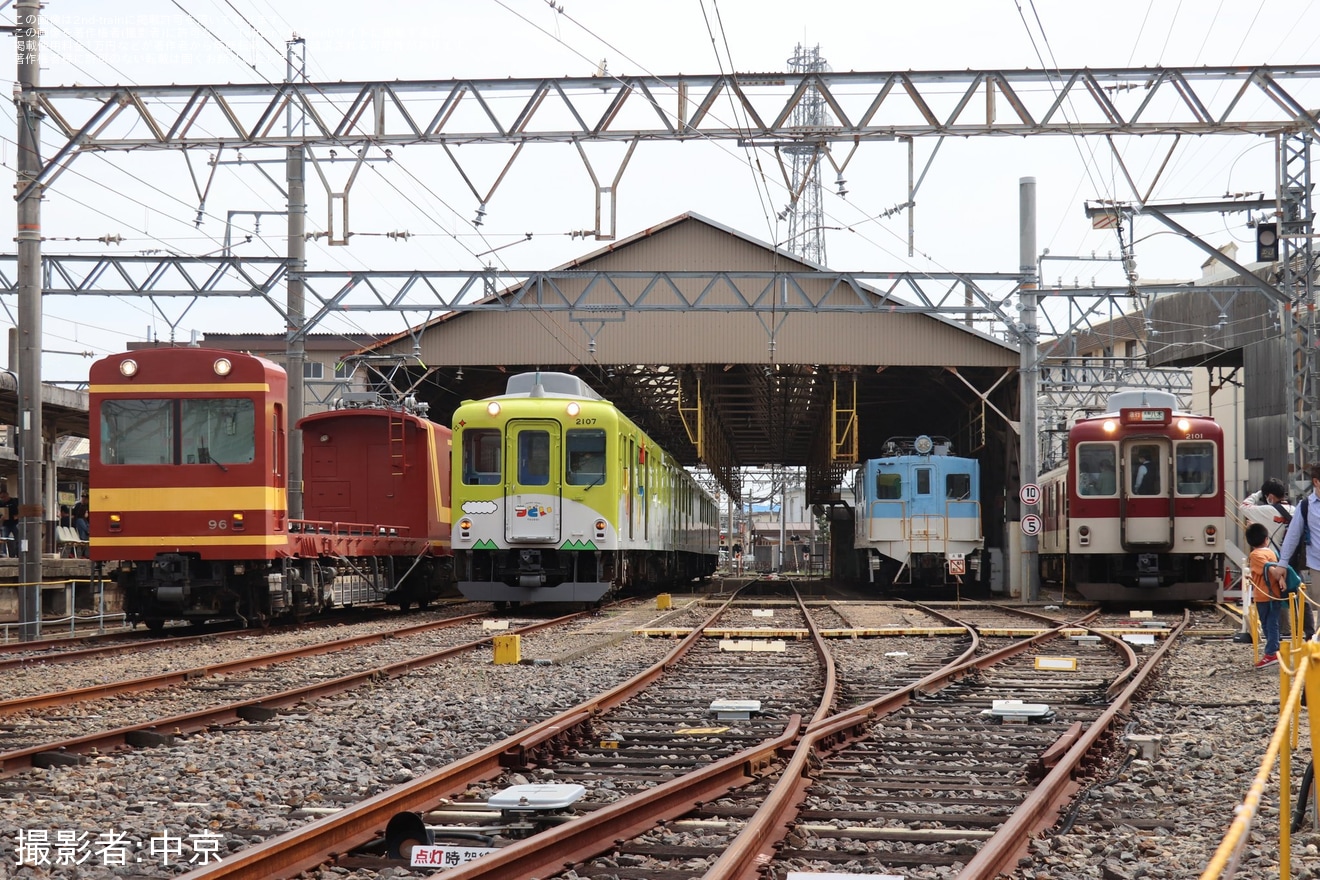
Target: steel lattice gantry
{"points": [[863, 107]]}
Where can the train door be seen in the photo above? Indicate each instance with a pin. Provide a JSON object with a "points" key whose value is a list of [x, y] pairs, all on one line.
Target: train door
{"points": [[532, 510], [1147, 519], [927, 523]]}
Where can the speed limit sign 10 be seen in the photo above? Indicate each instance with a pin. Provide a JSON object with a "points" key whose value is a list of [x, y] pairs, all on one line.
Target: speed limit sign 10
{"points": [[1029, 493]]}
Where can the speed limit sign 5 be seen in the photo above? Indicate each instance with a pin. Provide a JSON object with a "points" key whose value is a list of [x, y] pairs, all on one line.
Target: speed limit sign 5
{"points": [[1031, 524]]}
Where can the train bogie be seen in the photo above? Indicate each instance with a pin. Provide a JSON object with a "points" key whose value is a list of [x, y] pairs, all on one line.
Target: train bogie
{"points": [[918, 515], [559, 497]]}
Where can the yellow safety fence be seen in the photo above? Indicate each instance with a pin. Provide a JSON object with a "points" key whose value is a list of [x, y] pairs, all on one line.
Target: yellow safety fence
{"points": [[1299, 667]]}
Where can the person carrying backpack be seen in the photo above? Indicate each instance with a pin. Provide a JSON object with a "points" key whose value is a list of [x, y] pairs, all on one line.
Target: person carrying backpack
{"points": [[1309, 544]]}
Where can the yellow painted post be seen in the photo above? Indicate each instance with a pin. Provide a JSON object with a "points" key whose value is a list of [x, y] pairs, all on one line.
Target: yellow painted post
{"points": [[508, 649], [1309, 669], [663, 602]]}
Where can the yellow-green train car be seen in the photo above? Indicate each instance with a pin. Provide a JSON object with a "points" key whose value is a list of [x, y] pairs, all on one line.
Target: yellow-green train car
{"points": [[559, 497]]}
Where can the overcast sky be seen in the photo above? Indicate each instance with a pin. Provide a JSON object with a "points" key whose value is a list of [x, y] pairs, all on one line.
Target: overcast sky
{"points": [[966, 213]]}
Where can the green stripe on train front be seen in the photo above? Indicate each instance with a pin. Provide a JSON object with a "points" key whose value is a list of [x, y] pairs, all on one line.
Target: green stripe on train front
{"points": [[577, 545], [485, 544]]}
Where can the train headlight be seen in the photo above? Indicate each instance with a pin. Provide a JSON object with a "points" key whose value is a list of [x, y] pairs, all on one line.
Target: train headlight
{"points": [[1211, 535], [238, 522], [128, 367], [493, 408], [465, 524], [600, 528], [1084, 536], [1110, 426], [115, 523], [573, 409], [222, 366], [1184, 425]]}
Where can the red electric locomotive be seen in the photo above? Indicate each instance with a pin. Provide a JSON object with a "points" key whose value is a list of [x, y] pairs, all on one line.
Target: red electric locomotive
{"points": [[189, 494], [1137, 513]]}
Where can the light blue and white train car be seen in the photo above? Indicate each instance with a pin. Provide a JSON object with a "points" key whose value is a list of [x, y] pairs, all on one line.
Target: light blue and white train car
{"points": [[918, 515]]}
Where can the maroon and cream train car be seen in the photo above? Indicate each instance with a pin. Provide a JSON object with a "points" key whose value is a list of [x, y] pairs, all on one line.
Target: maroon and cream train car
{"points": [[380, 475], [1137, 512]]}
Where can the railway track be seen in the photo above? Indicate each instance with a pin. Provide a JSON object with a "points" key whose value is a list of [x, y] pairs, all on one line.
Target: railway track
{"points": [[669, 791], [877, 759], [32, 740], [663, 778]]}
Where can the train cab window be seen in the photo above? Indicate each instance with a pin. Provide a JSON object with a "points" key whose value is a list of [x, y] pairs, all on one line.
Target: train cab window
{"points": [[1195, 465], [586, 457], [1144, 467], [190, 431], [888, 486], [220, 431], [481, 457], [534, 458], [923, 481], [137, 432], [957, 487], [1095, 469]]}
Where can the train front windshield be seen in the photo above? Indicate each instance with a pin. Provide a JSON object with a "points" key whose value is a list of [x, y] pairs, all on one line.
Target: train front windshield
{"points": [[586, 457], [188, 431], [481, 457], [1195, 465]]}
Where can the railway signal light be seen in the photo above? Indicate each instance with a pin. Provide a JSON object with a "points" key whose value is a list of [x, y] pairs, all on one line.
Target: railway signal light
{"points": [[1267, 242]]}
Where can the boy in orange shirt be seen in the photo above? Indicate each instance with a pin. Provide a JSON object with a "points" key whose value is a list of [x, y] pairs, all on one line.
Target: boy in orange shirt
{"points": [[1266, 592]]}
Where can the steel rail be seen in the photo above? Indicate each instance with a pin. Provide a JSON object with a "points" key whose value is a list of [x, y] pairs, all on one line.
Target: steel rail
{"points": [[182, 676], [1039, 810], [124, 642], [16, 760], [755, 844], [305, 848]]}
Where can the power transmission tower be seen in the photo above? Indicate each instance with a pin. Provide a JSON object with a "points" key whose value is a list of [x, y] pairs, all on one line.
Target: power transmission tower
{"points": [[806, 216]]}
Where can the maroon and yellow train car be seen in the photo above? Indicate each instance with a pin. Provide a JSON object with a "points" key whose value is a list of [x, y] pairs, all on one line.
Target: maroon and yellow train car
{"points": [[188, 480], [380, 475]]}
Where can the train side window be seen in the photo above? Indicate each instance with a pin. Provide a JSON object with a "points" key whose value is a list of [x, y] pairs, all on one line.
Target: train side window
{"points": [[957, 487], [888, 486], [481, 457], [1096, 469], [1195, 467], [137, 432], [534, 458], [923, 481], [586, 457]]}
